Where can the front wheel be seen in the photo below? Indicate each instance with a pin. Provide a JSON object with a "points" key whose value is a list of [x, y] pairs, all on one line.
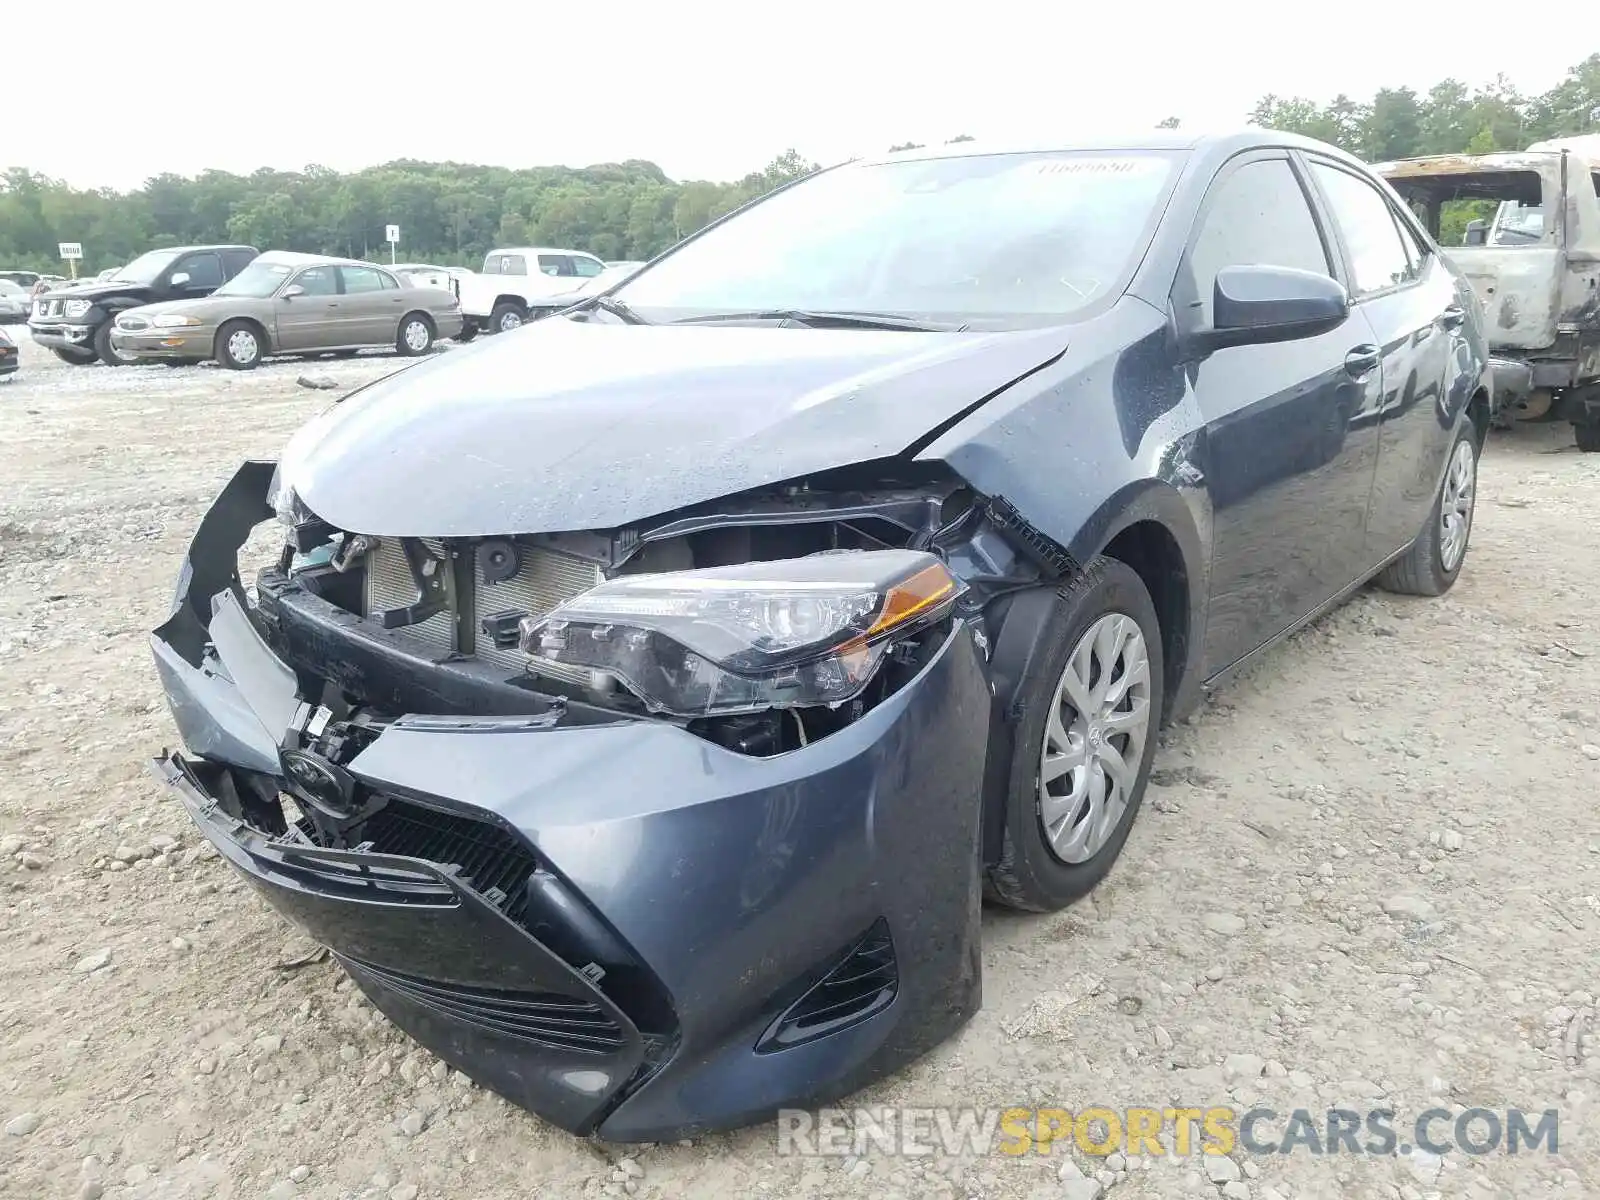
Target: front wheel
{"points": [[1090, 707], [76, 358], [469, 330], [416, 335], [1431, 565], [239, 346], [107, 353]]}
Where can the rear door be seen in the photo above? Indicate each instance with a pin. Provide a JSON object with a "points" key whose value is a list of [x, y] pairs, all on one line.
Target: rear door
{"points": [[1291, 438], [371, 307], [1408, 299], [309, 321]]}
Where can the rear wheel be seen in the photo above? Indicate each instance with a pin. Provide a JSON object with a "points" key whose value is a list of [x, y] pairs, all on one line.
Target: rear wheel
{"points": [[78, 358], [416, 335], [1090, 704], [239, 346], [1431, 565], [506, 317]]}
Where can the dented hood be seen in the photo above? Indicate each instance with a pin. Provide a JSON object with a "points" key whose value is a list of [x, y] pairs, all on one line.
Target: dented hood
{"points": [[567, 425]]}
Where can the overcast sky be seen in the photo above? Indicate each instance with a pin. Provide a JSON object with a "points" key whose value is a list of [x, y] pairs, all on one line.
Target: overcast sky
{"points": [[707, 90]]}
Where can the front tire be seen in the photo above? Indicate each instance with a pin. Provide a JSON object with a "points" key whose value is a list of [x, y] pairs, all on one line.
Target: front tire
{"points": [[75, 358], [1090, 707], [239, 346], [1431, 565], [106, 352], [415, 337]]}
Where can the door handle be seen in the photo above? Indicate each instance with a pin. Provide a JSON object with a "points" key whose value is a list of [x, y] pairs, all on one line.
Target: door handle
{"points": [[1363, 360], [1452, 317]]}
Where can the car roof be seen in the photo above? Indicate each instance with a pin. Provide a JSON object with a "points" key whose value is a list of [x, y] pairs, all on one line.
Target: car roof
{"points": [[536, 250], [293, 258], [210, 246], [1219, 143]]}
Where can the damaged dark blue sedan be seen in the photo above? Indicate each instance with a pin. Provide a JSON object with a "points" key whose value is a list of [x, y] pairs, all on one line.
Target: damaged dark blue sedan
{"points": [[643, 702]]}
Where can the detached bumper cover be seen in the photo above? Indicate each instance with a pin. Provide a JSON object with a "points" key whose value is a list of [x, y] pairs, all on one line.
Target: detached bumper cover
{"points": [[619, 926]]}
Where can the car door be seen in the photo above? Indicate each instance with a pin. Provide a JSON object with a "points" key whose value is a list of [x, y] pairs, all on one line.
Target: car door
{"points": [[1408, 298], [1290, 445], [193, 275], [371, 307], [308, 320]]}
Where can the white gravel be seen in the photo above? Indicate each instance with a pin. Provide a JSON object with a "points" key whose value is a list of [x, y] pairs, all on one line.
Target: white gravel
{"points": [[1369, 871]]}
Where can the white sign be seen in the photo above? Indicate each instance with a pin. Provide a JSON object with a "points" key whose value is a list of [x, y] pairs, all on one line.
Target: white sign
{"points": [[70, 250], [391, 233]]}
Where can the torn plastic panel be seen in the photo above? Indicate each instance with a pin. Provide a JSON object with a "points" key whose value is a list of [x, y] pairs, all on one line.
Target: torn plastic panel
{"points": [[564, 830]]}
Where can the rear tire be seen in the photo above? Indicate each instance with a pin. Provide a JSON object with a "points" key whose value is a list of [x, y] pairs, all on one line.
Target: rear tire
{"points": [[1587, 436], [76, 358], [416, 335], [1431, 565], [1102, 644], [506, 317], [239, 346]]}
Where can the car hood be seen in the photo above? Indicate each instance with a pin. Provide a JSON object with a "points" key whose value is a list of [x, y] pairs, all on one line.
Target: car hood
{"points": [[200, 306], [567, 425]]}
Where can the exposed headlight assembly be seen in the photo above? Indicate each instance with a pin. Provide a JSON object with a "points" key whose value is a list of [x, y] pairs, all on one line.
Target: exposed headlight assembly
{"points": [[795, 632], [76, 308]]}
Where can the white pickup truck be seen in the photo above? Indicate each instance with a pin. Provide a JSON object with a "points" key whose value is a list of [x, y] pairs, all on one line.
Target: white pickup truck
{"points": [[514, 281]]}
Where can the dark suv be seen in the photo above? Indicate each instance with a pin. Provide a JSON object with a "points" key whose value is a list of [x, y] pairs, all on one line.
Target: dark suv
{"points": [[75, 322]]}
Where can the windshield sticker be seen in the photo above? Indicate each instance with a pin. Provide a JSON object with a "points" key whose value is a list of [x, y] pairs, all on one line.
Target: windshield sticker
{"points": [[1143, 165]]}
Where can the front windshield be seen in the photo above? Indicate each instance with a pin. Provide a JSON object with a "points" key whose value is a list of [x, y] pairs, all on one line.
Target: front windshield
{"points": [[998, 239], [1517, 224], [258, 280], [146, 267]]}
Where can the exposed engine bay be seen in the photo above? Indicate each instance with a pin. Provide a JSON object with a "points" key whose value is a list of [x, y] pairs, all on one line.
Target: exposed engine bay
{"points": [[467, 603]]}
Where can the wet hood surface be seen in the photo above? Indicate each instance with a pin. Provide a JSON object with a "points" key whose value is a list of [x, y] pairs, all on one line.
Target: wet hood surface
{"points": [[567, 425]]}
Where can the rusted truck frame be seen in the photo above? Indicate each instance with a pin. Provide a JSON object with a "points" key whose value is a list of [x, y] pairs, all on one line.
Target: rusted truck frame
{"points": [[1539, 286]]}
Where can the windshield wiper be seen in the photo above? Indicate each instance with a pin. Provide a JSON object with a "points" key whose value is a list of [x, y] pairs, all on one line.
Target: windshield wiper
{"points": [[822, 319], [615, 307]]}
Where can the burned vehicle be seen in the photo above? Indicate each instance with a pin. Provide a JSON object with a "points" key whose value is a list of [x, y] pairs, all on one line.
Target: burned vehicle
{"points": [[642, 702], [1532, 254]]}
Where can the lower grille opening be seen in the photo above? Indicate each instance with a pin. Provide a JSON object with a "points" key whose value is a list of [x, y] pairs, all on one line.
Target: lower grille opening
{"points": [[489, 860], [863, 984], [546, 1018]]}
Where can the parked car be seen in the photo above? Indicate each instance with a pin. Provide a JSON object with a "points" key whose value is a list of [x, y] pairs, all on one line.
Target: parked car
{"points": [[24, 279], [1536, 276], [285, 303], [543, 306], [77, 323], [641, 704], [15, 302], [516, 279], [8, 355]]}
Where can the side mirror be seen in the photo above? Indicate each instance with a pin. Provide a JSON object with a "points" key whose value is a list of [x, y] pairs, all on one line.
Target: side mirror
{"points": [[1255, 305], [178, 280], [293, 290], [1477, 233]]}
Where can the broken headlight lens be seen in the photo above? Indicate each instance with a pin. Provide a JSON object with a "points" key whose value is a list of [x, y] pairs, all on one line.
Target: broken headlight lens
{"points": [[795, 632]]}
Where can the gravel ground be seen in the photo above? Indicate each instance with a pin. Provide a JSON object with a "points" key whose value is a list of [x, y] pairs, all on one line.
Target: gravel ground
{"points": [[1368, 872]]}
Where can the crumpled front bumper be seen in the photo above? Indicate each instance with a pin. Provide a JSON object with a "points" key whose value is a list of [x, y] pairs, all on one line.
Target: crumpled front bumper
{"points": [[668, 917]]}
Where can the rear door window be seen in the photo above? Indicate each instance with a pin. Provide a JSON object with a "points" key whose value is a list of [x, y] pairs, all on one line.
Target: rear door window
{"points": [[361, 279], [1378, 259]]}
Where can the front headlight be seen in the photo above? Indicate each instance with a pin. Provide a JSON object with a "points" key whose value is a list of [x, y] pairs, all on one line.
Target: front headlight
{"points": [[796, 632], [172, 321], [76, 308]]}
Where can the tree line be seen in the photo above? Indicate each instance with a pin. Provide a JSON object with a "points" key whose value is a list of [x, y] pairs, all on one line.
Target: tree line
{"points": [[454, 213]]}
